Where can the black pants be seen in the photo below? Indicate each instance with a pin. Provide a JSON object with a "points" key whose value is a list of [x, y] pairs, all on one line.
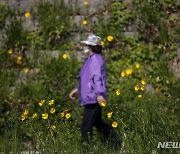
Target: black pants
{"points": [[92, 116]]}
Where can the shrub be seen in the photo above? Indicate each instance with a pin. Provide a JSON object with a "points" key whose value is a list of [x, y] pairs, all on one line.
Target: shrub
{"points": [[54, 24], [3, 15], [15, 36]]}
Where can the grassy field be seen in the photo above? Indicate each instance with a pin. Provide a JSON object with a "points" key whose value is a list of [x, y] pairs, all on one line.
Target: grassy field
{"points": [[39, 68]]}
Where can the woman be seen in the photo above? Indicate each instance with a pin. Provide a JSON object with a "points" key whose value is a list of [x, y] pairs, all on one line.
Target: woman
{"points": [[91, 90]]}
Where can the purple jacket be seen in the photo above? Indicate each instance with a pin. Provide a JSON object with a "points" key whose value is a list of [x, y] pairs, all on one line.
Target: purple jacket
{"points": [[92, 80]]}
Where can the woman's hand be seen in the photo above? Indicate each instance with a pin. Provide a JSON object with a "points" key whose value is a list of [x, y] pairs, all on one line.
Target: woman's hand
{"points": [[73, 94], [100, 99]]}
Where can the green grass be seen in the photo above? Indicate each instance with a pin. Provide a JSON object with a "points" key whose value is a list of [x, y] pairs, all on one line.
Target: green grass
{"points": [[144, 123]]}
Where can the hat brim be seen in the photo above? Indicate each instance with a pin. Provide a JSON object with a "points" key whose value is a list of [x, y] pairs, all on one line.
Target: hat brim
{"points": [[88, 43]]}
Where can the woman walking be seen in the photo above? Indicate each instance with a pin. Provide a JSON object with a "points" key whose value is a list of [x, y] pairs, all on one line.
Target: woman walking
{"points": [[91, 90]]}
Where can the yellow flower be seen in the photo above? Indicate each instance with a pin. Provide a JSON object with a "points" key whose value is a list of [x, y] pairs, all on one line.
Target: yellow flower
{"points": [[10, 51], [109, 114], [27, 14], [129, 71], [114, 124], [23, 117], [143, 81], [139, 96], [34, 115], [65, 113], [26, 70], [84, 22], [53, 127], [45, 116], [65, 56], [118, 92], [102, 43], [142, 88], [110, 38], [85, 2], [41, 102], [136, 88], [19, 60], [157, 89], [26, 112], [62, 114], [103, 103], [51, 102], [68, 115], [52, 110], [137, 65], [123, 74]]}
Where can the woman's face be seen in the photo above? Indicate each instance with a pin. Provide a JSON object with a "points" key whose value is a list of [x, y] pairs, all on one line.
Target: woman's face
{"points": [[86, 48]]}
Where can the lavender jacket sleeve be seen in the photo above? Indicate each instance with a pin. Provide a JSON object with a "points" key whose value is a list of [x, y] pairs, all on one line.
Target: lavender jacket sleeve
{"points": [[98, 76]]}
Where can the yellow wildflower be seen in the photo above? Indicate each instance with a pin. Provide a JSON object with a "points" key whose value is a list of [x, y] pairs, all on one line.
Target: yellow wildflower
{"points": [[27, 14], [23, 117], [102, 43], [85, 2], [118, 92], [129, 71], [103, 103], [114, 124], [143, 81], [51, 102], [19, 60], [109, 114], [139, 96], [26, 112], [65, 113], [26, 70], [110, 38], [68, 115], [142, 88], [157, 89], [123, 74], [53, 127], [65, 56], [41, 102], [137, 65], [10, 51], [136, 88], [84, 22], [45, 116], [52, 110], [62, 114], [34, 115]]}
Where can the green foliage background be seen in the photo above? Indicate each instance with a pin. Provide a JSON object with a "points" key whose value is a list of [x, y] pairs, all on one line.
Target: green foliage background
{"points": [[142, 123]]}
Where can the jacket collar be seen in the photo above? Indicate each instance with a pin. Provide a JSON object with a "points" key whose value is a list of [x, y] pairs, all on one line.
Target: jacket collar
{"points": [[89, 56], [92, 55], [86, 62]]}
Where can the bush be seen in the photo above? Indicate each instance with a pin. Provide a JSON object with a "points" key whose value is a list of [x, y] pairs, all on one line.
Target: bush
{"points": [[3, 15], [54, 25], [15, 37]]}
